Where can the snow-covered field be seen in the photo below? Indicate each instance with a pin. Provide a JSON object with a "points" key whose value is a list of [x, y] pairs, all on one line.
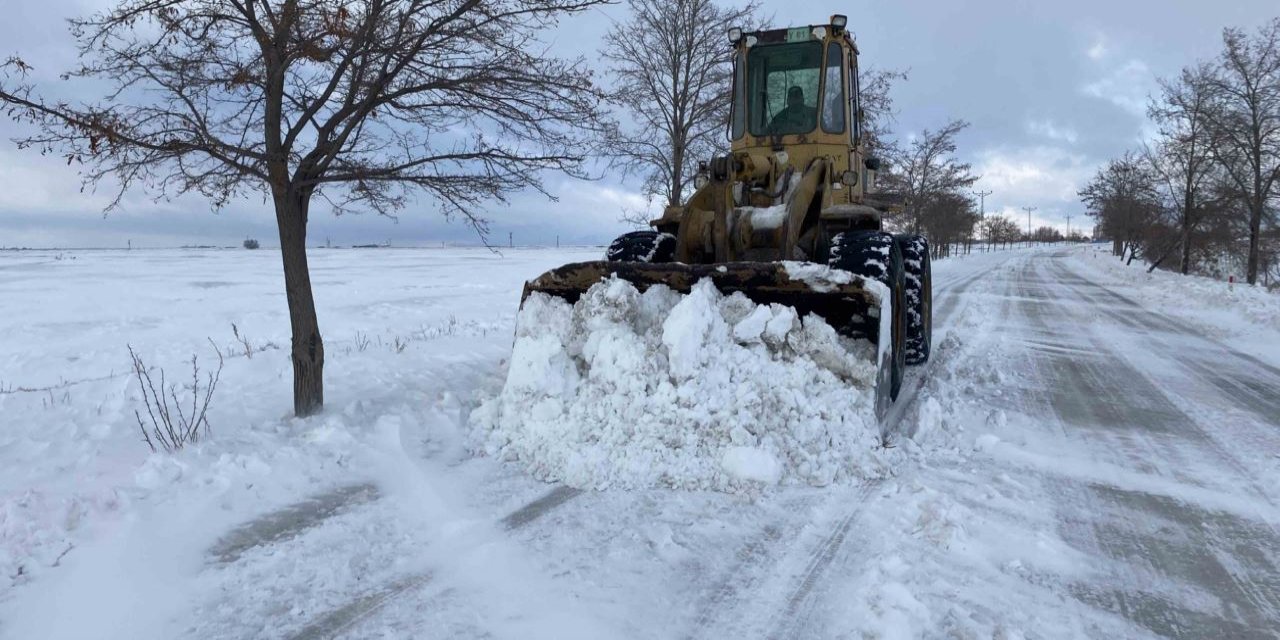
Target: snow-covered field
{"points": [[1082, 458]]}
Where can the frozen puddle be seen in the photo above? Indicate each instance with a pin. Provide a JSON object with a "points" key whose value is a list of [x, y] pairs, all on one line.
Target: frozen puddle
{"points": [[697, 391]]}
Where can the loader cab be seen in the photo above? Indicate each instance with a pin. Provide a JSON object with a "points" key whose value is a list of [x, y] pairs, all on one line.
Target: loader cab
{"points": [[794, 86]]}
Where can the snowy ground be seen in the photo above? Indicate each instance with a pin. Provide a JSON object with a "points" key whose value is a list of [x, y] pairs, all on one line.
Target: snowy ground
{"points": [[1085, 457], [1234, 313]]}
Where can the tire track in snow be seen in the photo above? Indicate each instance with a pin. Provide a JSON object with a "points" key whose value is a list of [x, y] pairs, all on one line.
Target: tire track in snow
{"points": [[735, 606], [796, 614], [290, 521], [342, 619], [1175, 325], [745, 574], [1188, 426], [534, 510], [1257, 397], [949, 295], [1218, 553], [336, 622], [737, 584], [794, 619], [729, 588]]}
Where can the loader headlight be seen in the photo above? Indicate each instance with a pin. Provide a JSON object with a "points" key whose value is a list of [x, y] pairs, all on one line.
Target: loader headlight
{"points": [[839, 22], [849, 178], [735, 34]]}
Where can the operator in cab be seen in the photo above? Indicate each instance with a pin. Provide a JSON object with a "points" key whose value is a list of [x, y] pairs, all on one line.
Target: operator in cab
{"points": [[796, 117]]}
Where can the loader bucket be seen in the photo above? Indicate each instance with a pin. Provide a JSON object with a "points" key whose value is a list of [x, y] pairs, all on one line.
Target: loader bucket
{"points": [[850, 308]]}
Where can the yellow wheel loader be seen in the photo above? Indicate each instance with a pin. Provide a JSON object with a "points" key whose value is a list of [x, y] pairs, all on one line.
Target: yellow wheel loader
{"points": [[796, 186]]}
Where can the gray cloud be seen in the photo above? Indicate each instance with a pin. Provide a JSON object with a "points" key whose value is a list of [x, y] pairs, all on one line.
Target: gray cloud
{"points": [[1052, 90]]}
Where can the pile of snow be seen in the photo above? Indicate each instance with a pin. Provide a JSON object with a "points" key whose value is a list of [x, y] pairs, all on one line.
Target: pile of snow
{"points": [[692, 391]]}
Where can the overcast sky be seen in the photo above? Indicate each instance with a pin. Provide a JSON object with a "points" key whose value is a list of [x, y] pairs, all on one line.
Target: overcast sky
{"points": [[1053, 89]]}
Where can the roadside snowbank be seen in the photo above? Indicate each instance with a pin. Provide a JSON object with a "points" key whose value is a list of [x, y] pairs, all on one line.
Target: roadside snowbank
{"points": [[697, 391], [1248, 316]]}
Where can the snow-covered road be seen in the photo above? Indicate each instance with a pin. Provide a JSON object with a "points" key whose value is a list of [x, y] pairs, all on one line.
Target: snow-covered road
{"points": [[1164, 469], [1078, 462]]}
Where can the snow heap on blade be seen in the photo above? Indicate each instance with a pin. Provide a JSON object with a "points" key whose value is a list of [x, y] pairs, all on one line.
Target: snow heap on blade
{"points": [[697, 391]]}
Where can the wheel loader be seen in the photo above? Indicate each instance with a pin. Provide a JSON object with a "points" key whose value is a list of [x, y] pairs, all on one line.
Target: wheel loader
{"points": [[796, 185]]}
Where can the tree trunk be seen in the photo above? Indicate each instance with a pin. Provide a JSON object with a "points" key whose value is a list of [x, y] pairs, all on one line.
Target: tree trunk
{"points": [[308, 349], [1163, 254], [1187, 205], [677, 172], [1255, 232]]}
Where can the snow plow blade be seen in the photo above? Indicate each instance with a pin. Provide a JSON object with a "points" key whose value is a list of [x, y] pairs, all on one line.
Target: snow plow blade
{"points": [[850, 308]]}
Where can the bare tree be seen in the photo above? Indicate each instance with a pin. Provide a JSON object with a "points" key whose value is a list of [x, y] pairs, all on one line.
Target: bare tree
{"points": [[1245, 118], [1047, 234], [1124, 199], [948, 218], [360, 102], [875, 98], [1001, 230], [927, 169], [672, 78], [1182, 156]]}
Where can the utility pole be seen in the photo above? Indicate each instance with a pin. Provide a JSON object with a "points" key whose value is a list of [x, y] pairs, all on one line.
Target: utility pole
{"points": [[1029, 210], [511, 243], [1068, 227], [982, 217], [982, 196]]}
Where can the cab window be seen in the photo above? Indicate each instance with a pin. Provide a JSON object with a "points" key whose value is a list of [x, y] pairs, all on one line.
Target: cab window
{"points": [[855, 132], [738, 121], [782, 88], [833, 104]]}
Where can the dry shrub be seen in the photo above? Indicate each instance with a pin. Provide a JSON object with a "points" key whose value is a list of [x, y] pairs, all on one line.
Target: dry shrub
{"points": [[174, 421]]}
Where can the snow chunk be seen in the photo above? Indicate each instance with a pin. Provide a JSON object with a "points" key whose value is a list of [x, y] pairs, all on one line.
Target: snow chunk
{"points": [[986, 442], [538, 362], [766, 217], [689, 331], [696, 391], [820, 277], [750, 328], [748, 463]]}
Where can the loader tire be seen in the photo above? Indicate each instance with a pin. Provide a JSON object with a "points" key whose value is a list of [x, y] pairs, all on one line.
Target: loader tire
{"points": [[642, 246], [875, 255], [917, 272]]}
